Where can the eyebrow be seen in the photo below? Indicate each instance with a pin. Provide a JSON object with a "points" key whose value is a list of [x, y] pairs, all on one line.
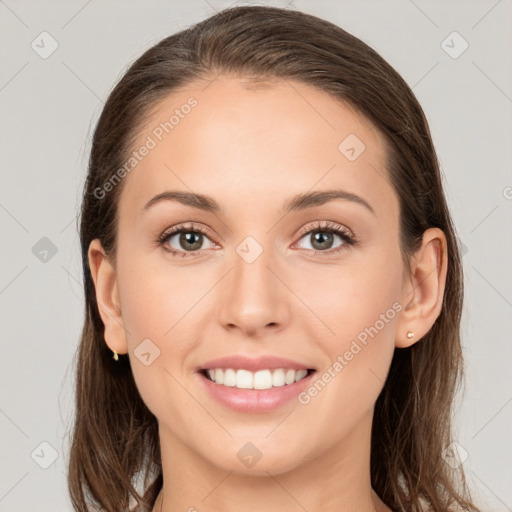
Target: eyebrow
{"points": [[296, 203]]}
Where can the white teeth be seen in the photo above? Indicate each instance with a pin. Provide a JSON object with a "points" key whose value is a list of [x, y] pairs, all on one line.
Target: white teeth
{"points": [[289, 378], [244, 379], [219, 376], [262, 379], [229, 377], [278, 378], [300, 375]]}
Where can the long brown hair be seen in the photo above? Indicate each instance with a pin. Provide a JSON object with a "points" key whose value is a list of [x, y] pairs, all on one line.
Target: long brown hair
{"points": [[115, 437]]}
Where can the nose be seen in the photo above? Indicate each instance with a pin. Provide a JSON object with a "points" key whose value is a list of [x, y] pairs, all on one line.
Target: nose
{"points": [[254, 299]]}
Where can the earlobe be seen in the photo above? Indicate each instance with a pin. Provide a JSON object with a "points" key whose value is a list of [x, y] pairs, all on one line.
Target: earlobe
{"points": [[423, 290], [107, 297]]}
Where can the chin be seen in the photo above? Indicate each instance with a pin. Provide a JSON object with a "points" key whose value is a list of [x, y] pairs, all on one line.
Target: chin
{"points": [[256, 460]]}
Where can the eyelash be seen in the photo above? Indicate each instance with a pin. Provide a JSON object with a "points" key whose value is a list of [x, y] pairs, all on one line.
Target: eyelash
{"points": [[325, 227]]}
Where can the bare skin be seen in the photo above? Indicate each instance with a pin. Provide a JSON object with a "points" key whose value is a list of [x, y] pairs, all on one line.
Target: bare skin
{"points": [[252, 149]]}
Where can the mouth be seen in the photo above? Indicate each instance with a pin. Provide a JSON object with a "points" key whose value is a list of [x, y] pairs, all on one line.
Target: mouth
{"points": [[249, 384], [258, 380]]}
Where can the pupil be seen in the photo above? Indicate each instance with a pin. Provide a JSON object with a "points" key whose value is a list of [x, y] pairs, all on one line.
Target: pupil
{"points": [[188, 238], [322, 236]]}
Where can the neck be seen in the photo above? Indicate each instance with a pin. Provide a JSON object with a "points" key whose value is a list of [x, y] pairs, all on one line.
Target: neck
{"points": [[337, 479]]}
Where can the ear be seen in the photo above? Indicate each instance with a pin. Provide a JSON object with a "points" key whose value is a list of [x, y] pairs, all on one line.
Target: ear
{"points": [[423, 290], [107, 297]]}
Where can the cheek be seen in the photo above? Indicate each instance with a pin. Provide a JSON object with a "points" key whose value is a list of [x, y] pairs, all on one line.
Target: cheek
{"points": [[155, 305], [156, 298], [359, 308], [353, 301]]}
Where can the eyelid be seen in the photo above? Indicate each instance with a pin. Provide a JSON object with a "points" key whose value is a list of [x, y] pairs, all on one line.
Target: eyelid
{"points": [[188, 226], [323, 224]]}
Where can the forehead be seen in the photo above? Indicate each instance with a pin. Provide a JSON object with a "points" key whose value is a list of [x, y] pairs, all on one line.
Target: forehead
{"points": [[256, 140]]}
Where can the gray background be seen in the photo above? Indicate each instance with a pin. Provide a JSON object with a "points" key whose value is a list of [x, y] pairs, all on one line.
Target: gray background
{"points": [[48, 109]]}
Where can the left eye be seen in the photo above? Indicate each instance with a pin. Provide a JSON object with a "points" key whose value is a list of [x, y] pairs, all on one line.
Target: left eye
{"points": [[322, 239]]}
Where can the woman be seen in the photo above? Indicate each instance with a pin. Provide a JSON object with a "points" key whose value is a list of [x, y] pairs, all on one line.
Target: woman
{"points": [[273, 282]]}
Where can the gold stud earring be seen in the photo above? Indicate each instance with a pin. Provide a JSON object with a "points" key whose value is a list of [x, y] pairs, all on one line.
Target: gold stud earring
{"points": [[116, 356], [410, 335]]}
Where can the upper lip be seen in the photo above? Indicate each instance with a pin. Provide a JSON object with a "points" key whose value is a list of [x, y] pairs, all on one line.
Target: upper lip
{"points": [[263, 362]]}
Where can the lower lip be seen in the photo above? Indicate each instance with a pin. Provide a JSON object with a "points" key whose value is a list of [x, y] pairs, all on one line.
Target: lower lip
{"points": [[254, 400]]}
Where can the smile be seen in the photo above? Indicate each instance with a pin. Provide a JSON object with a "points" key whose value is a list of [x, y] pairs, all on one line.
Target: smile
{"points": [[262, 391], [261, 379]]}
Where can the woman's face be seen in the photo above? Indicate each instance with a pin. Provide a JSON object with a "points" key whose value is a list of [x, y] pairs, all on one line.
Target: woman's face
{"points": [[264, 282]]}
